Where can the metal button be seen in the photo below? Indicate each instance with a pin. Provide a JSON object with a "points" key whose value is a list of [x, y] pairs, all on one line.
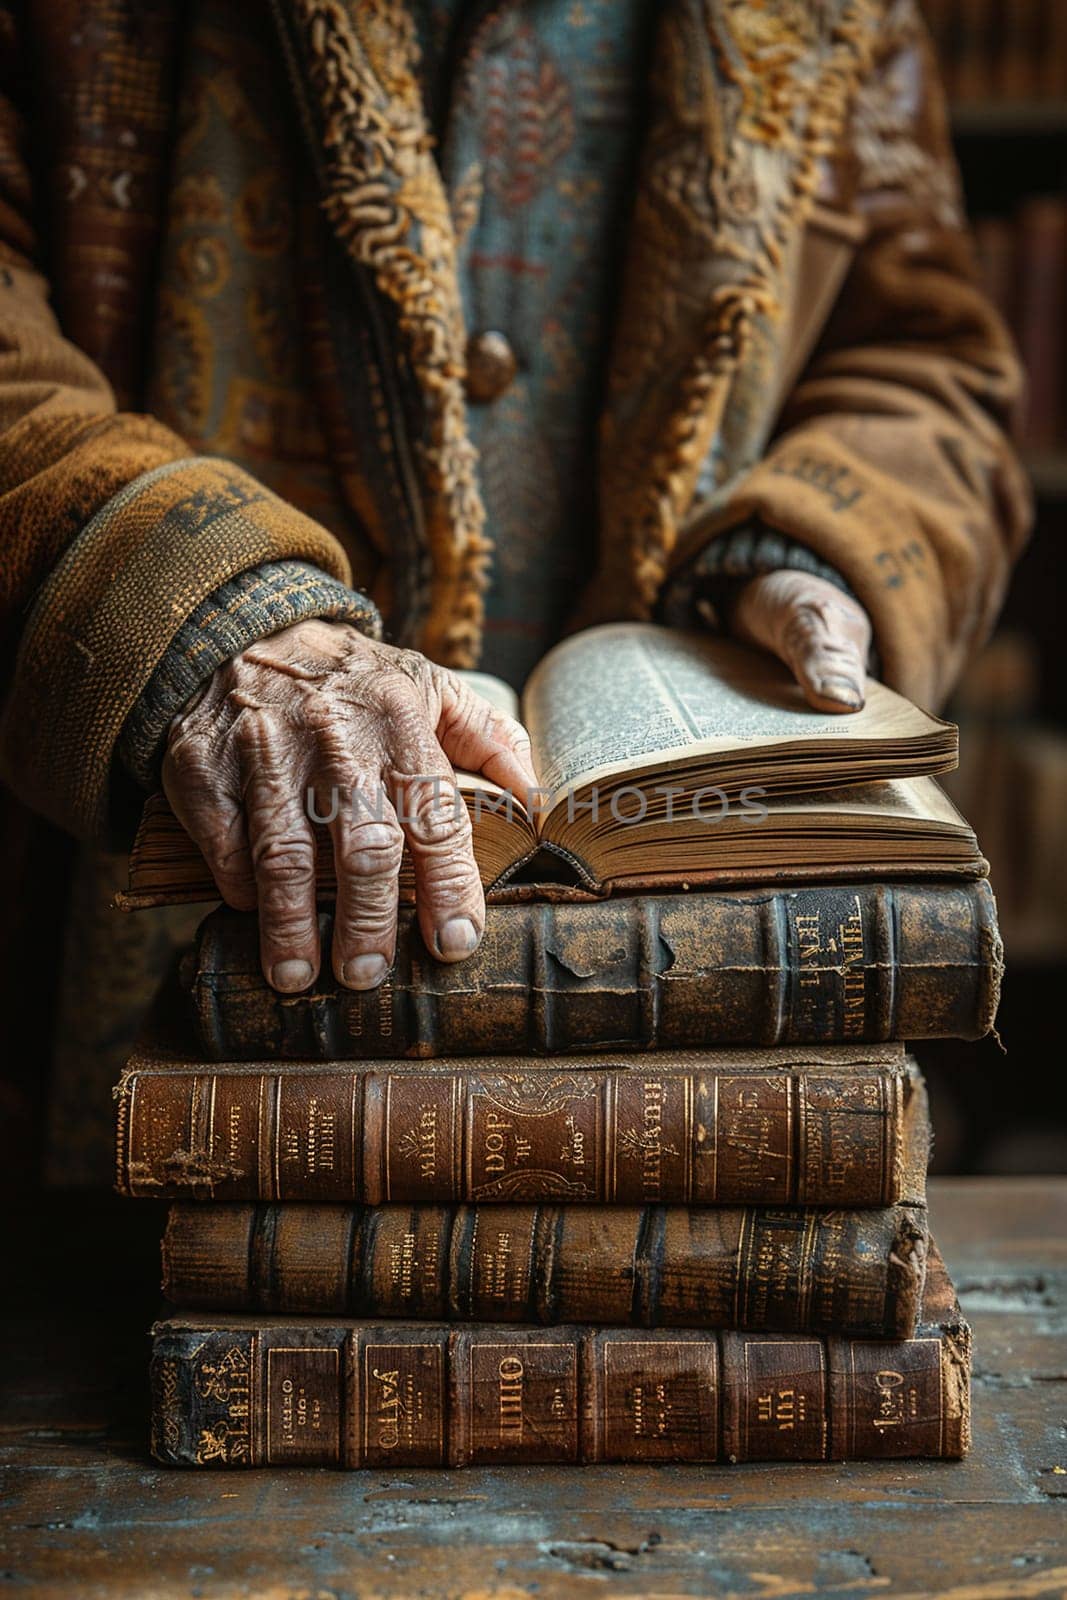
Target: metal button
{"points": [[491, 366]]}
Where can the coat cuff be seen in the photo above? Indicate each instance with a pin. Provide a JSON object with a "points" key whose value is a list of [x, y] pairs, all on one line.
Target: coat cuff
{"points": [[250, 606], [703, 589], [109, 610]]}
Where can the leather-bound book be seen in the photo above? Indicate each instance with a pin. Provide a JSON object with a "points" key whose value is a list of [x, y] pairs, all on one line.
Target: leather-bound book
{"points": [[250, 1391], [788, 1269], [856, 963], [837, 1125]]}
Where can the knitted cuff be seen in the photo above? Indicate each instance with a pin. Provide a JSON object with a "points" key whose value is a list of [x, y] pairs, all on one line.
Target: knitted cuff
{"points": [[705, 588], [246, 608]]}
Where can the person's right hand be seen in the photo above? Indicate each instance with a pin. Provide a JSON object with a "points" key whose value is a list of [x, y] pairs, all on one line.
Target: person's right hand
{"points": [[320, 706]]}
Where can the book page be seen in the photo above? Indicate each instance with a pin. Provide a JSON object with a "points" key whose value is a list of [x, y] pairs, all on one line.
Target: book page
{"points": [[918, 800], [628, 695]]}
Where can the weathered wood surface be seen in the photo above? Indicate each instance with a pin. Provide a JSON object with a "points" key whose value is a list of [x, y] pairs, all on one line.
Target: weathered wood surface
{"points": [[86, 1514]]}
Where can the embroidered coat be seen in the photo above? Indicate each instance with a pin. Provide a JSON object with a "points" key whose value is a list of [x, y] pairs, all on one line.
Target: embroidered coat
{"points": [[799, 340]]}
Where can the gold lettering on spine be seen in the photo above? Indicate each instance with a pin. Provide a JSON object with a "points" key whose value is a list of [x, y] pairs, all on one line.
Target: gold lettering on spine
{"points": [[386, 1407], [854, 975], [303, 1416], [809, 946], [757, 1139], [904, 1395], [422, 1148], [784, 1395], [509, 1408], [782, 1409], [495, 1143], [384, 998], [427, 1137], [321, 1138], [774, 1265], [166, 1406], [659, 1400], [401, 1403], [652, 1164], [494, 1268], [233, 1134], [226, 1384], [643, 1142]]}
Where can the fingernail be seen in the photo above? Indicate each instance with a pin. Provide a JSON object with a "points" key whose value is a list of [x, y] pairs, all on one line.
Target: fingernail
{"points": [[291, 976], [457, 938], [842, 689], [364, 972]]}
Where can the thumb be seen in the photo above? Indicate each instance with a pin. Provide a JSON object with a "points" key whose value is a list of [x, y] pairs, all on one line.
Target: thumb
{"points": [[822, 635]]}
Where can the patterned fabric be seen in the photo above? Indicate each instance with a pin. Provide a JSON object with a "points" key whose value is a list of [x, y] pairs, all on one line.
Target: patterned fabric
{"points": [[872, 436], [538, 156], [228, 365], [249, 607], [542, 133]]}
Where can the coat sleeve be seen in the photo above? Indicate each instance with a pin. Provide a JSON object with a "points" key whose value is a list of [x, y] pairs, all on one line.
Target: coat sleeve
{"points": [[892, 459], [111, 531]]}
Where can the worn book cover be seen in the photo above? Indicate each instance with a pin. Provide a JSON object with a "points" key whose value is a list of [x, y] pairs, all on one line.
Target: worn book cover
{"points": [[245, 1391], [811, 964], [786, 1269], [831, 1125]]}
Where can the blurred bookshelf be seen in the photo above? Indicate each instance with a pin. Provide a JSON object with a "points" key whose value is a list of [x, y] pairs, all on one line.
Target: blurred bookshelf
{"points": [[1004, 63], [1024, 117], [1048, 473]]}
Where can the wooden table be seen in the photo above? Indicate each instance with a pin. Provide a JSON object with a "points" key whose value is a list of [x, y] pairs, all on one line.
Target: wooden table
{"points": [[86, 1514]]}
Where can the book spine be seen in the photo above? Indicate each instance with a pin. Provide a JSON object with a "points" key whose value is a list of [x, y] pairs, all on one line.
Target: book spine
{"points": [[394, 1396], [1042, 308], [859, 964], [774, 1138], [975, 52], [1018, 61], [789, 1270]]}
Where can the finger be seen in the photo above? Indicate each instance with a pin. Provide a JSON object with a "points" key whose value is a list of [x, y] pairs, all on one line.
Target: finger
{"points": [[200, 792], [368, 845], [476, 736], [282, 848], [821, 634], [437, 826]]}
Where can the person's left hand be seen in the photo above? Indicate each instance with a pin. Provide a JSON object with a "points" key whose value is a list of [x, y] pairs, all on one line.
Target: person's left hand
{"points": [[822, 634]]}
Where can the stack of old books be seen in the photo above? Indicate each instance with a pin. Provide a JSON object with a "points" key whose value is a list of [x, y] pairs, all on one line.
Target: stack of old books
{"points": [[641, 1180]]}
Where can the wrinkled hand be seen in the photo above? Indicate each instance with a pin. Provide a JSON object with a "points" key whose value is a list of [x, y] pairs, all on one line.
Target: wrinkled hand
{"points": [[822, 634], [375, 732]]}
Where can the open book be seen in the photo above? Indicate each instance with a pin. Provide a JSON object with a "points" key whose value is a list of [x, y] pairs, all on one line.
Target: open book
{"points": [[669, 758]]}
